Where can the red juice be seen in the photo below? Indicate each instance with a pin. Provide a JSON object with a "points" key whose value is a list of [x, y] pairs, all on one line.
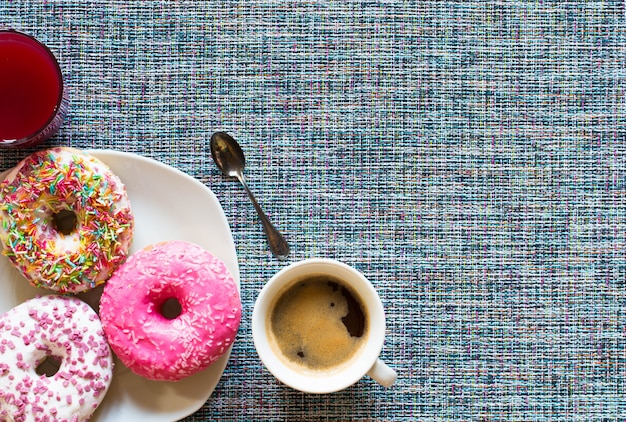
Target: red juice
{"points": [[32, 101]]}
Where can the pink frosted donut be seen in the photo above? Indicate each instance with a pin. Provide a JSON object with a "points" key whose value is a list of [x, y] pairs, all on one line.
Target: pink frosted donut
{"points": [[66, 221], [170, 310], [55, 363]]}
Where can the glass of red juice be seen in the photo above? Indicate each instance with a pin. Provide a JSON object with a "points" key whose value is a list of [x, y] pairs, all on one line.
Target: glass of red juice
{"points": [[33, 102]]}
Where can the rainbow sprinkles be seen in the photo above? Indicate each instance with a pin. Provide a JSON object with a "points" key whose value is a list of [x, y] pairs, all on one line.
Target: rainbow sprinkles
{"points": [[64, 180]]}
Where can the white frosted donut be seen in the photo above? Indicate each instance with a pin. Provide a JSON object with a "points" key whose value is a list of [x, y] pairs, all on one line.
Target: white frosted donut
{"points": [[162, 345], [40, 335], [47, 190]]}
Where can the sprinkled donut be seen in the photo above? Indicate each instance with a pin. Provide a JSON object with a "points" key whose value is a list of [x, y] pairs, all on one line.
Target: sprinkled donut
{"points": [[55, 363], [170, 310], [66, 221]]}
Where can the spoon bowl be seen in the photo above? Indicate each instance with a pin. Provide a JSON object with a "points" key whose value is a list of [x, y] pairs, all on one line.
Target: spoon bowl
{"points": [[229, 158], [227, 154]]}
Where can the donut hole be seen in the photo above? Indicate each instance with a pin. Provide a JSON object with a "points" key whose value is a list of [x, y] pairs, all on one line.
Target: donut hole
{"points": [[65, 221], [49, 366], [171, 308]]}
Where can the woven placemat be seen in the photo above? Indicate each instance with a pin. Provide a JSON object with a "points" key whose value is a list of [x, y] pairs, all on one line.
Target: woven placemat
{"points": [[466, 156]]}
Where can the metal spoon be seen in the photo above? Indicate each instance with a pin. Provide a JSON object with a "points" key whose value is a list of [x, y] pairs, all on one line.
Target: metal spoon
{"points": [[229, 158]]}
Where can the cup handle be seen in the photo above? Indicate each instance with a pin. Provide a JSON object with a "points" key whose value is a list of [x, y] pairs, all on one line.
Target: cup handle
{"points": [[382, 374]]}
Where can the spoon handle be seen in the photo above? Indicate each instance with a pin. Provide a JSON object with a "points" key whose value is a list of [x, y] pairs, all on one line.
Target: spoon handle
{"points": [[278, 244]]}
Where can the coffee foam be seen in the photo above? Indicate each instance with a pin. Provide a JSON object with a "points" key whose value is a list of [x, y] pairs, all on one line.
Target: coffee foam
{"points": [[306, 324]]}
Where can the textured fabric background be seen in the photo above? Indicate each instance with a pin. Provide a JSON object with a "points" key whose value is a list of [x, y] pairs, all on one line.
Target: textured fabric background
{"points": [[467, 156]]}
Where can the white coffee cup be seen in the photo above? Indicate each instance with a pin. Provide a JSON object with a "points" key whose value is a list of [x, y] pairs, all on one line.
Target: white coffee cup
{"points": [[365, 361]]}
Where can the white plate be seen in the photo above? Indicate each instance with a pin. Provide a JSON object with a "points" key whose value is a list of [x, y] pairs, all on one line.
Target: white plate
{"points": [[168, 205]]}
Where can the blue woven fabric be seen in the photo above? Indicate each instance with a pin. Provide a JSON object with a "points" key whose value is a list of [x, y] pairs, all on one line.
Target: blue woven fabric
{"points": [[467, 156]]}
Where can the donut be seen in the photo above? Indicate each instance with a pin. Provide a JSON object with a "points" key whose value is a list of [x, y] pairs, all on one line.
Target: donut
{"points": [[65, 220], [55, 363], [170, 310]]}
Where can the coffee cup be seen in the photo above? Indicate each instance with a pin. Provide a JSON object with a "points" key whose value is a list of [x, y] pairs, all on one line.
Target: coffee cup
{"points": [[318, 326]]}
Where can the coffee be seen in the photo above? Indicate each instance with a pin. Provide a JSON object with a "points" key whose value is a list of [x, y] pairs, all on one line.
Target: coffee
{"points": [[317, 323]]}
